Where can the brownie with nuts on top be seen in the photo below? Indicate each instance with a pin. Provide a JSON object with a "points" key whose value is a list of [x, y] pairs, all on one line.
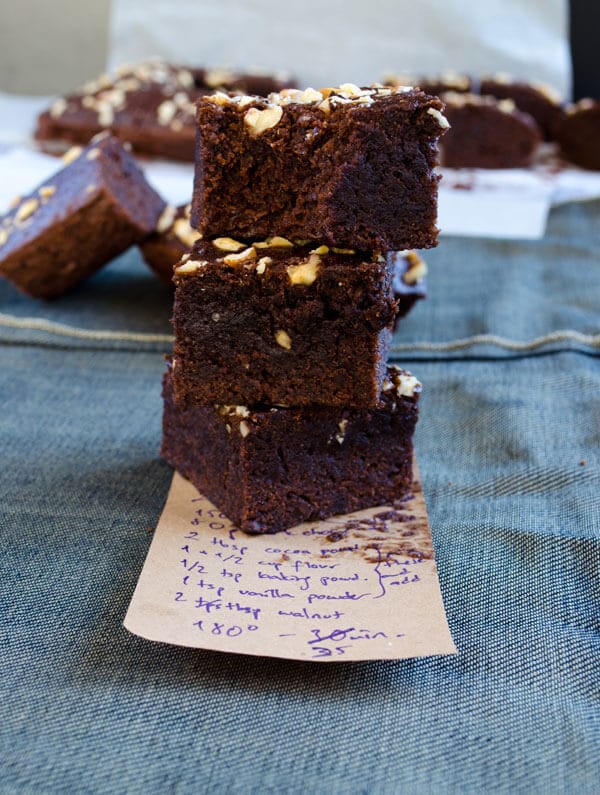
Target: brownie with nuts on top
{"points": [[97, 206], [579, 134], [535, 98], [346, 166], [487, 133], [172, 238], [151, 105], [280, 324], [269, 468]]}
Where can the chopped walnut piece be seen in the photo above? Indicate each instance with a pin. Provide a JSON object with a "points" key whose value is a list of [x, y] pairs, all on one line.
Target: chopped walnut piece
{"points": [[26, 210], [246, 256], [258, 121], [283, 339], [306, 272], [71, 155], [228, 244], [191, 266], [166, 219], [185, 233]]}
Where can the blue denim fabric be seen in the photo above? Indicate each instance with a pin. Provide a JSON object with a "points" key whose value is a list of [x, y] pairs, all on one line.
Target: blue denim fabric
{"points": [[508, 446]]}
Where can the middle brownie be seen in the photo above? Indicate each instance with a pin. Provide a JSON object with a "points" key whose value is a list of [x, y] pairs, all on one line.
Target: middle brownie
{"points": [[279, 324]]}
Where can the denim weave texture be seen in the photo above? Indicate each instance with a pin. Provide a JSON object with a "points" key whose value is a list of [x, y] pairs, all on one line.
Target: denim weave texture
{"points": [[508, 445]]}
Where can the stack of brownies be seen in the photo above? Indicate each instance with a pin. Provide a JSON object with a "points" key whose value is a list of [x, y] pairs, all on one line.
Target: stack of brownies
{"points": [[279, 404]]}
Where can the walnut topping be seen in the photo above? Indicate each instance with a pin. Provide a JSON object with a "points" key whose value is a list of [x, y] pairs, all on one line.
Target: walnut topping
{"points": [[244, 429], [46, 191], [26, 209], [106, 113], [234, 411], [507, 105], [283, 339], [342, 425], [219, 98], [129, 84], [417, 269], [257, 121], [71, 155], [185, 78], [166, 219], [166, 111], [403, 383], [320, 250], [228, 244], [58, 107], [439, 117], [185, 233], [274, 242], [248, 255], [93, 154], [310, 95], [191, 266], [262, 264], [351, 89], [305, 272]]}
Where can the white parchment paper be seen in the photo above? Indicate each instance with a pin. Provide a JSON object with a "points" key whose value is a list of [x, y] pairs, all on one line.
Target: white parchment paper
{"points": [[326, 42]]}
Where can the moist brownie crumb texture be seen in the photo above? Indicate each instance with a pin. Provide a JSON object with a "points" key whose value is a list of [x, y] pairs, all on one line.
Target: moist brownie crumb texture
{"points": [[279, 404]]}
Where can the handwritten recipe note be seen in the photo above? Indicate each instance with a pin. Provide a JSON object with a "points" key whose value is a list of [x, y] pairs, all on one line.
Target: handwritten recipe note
{"points": [[356, 587]]}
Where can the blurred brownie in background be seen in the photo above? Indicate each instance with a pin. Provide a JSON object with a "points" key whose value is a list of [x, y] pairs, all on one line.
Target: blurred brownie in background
{"points": [[151, 105], [535, 98], [487, 133], [579, 134]]}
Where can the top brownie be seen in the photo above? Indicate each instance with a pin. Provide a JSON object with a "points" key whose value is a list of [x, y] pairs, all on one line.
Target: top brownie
{"points": [[347, 166]]}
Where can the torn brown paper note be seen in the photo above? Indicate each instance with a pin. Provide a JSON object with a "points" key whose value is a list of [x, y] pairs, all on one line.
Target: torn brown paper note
{"points": [[362, 586]]}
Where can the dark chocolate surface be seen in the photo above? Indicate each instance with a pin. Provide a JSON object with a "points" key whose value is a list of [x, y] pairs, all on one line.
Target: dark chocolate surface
{"points": [[487, 133], [268, 469], [79, 219], [335, 169], [535, 99], [282, 326]]}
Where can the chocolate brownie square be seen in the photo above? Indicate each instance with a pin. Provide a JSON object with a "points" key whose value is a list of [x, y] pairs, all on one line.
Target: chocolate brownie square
{"points": [[272, 468], [579, 134], [172, 238], [281, 324], [151, 105], [487, 133], [347, 166], [97, 206], [537, 99]]}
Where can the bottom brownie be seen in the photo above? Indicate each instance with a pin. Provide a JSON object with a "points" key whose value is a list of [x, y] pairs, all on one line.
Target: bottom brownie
{"points": [[272, 468]]}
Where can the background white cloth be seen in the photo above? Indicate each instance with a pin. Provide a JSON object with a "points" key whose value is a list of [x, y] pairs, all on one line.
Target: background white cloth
{"points": [[327, 42]]}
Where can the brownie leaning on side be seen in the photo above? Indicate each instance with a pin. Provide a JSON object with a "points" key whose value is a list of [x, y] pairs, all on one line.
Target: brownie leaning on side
{"points": [[78, 220]]}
